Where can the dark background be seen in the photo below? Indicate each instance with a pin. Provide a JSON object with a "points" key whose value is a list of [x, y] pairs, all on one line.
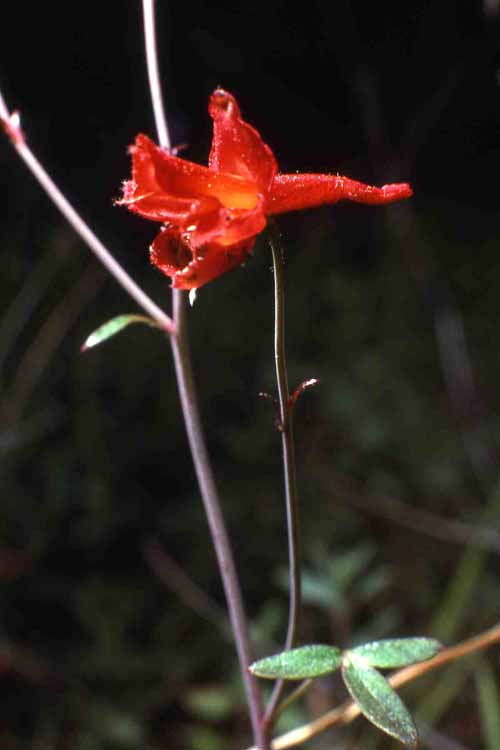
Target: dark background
{"points": [[395, 309]]}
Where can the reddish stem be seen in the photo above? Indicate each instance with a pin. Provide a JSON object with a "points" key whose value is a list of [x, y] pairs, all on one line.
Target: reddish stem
{"points": [[199, 453]]}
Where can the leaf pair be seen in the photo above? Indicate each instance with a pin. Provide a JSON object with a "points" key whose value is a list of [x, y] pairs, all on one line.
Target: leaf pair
{"points": [[372, 693]]}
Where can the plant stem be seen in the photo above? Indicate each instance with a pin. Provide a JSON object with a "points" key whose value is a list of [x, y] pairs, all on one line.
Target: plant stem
{"points": [[78, 224], [199, 453], [187, 394], [288, 448], [293, 696], [148, 15]]}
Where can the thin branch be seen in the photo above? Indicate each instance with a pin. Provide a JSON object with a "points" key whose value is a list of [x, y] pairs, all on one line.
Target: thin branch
{"points": [[208, 490], [288, 448], [199, 452], [154, 74], [416, 519], [293, 696], [10, 123], [173, 577]]}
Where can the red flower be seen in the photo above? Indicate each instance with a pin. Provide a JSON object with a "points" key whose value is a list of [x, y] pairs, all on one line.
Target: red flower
{"points": [[212, 215]]}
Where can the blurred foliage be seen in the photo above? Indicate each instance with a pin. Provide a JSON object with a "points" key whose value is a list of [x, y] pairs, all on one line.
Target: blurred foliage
{"points": [[394, 310]]}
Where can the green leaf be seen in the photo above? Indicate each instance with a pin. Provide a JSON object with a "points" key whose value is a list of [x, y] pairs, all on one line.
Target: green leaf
{"points": [[377, 700], [301, 663], [397, 652], [114, 326]]}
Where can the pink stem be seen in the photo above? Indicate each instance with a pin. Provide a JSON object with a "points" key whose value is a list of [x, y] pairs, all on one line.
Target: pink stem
{"points": [[14, 132], [197, 444]]}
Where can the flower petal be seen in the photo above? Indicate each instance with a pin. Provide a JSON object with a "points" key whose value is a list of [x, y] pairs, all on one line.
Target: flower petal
{"points": [[191, 268], [237, 147], [243, 225], [159, 206], [291, 192], [159, 176]]}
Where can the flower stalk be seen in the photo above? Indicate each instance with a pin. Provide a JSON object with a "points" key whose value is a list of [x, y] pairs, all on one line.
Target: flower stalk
{"points": [[217, 526], [188, 398], [288, 449]]}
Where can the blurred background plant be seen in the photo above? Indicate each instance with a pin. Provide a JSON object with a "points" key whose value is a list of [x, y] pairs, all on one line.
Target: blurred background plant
{"points": [[112, 628]]}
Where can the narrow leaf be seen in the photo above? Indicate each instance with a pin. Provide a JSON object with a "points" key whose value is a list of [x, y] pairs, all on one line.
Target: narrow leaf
{"points": [[299, 664], [397, 652], [114, 326], [377, 700]]}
